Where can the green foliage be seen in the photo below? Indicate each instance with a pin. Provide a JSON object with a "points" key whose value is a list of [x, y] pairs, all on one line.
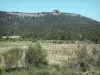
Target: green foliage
{"points": [[42, 72], [50, 27], [11, 58], [96, 55], [85, 60], [36, 56], [0, 38], [15, 73], [0, 58], [1, 71], [82, 53], [50, 72]]}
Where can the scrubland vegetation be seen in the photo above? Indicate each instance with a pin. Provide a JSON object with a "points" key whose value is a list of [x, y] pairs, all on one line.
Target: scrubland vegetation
{"points": [[43, 58]]}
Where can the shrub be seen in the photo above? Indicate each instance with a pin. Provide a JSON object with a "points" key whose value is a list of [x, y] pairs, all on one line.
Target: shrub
{"points": [[11, 58], [36, 56], [84, 61], [82, 58]]}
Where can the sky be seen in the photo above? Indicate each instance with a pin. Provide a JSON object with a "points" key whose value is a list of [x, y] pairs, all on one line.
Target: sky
{"points": [[88, 8]]}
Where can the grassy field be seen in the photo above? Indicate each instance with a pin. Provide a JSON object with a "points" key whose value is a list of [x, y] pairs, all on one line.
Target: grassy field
{"points": [[58, 54]]}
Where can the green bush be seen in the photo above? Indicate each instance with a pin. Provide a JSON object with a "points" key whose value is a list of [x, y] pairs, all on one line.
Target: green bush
{"points": [[82, 58], [36, 56], [11, 57], [84, 61], [96, 55]]}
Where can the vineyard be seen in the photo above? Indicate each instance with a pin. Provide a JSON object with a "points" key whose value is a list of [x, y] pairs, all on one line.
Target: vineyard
{"points": [[58, 56], [56, 52]]}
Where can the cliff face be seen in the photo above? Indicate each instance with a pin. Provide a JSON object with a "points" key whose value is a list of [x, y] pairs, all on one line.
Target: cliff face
{"points": [[55, 12]]}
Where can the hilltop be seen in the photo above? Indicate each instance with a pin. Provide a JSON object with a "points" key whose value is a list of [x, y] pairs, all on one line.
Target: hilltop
{"points": [[55, 25]]}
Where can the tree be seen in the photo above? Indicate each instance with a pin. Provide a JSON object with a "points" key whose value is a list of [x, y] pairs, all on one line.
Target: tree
{"points": [[35, 57], [84, 59], [12, 57]]}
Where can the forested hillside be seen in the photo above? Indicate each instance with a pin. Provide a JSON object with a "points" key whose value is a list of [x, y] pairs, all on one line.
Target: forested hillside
{"points": [[54, 25]]}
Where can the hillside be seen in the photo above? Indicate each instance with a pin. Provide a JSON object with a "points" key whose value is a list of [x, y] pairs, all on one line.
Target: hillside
{"points": [[54, 25]]}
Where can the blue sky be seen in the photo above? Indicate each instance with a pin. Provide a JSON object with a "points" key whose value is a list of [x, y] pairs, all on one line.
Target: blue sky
{"points": [[88, 8]]}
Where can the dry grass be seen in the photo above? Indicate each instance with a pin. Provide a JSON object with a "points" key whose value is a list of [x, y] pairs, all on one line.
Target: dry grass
{"points": [[56, 52]]}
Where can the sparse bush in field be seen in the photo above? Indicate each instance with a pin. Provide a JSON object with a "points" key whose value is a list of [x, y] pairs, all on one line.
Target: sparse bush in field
{"points": [[83, 59], [36, 56], [87, 61], [96, 55], [11, 58]]}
